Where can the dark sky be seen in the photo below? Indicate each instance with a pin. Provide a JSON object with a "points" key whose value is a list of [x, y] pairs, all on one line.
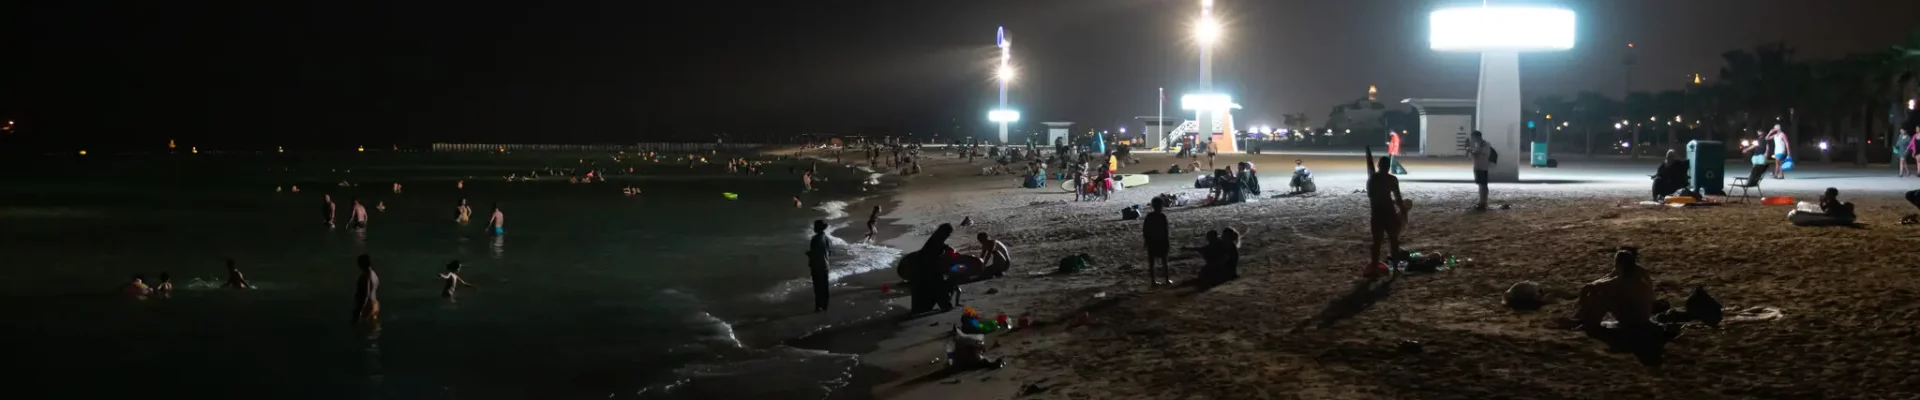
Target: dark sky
{"points": [[342, 73]]}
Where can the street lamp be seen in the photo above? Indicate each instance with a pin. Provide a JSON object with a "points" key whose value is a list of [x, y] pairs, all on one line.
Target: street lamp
{"points": [[1499, 34], [1004, 75]]}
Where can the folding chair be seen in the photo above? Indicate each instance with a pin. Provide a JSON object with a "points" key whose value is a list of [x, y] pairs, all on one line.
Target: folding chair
{"points": [[1751, 182]]}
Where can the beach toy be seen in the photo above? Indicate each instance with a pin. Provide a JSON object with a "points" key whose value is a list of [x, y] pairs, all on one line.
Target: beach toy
{"points": [[1680, 200], [1002, 319], [730, 195], [1777, 200]]}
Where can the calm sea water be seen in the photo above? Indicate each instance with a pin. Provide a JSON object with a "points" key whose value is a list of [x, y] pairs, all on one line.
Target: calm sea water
{"points": [[675, 293]]}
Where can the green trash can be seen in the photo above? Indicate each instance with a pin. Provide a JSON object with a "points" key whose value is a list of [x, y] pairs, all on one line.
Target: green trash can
{"points": [[1539, 154], [1707, 167]]}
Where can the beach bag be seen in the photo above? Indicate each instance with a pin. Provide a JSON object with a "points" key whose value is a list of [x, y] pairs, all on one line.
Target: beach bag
{"points": [[1130, 213], [1203, 182], [1493, 155], [1074, 263], [1786, 164]]}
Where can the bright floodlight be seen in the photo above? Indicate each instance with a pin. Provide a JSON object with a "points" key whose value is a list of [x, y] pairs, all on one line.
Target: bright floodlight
{"points": [[1207, 31], [1005, 74], [1502, 29], [1003, 116], [1207, 102]]}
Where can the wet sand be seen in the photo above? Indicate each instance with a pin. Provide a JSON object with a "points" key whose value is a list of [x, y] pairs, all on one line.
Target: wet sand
{"points": [[1294, 325]]}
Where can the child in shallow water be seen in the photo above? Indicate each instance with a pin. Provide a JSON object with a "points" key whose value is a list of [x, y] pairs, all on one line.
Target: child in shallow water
{"points": [[452, 276]]}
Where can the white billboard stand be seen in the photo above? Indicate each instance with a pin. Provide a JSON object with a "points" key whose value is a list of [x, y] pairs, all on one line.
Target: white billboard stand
{"points": [[1499, 34]]}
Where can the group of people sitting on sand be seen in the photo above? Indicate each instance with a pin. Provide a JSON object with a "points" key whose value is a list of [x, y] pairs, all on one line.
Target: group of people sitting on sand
{"points": [[936, 271]]}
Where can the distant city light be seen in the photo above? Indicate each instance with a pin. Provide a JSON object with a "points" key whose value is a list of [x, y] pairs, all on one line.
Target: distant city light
{"points": [[1616, 126], [1625, 144], [1823, 145]]}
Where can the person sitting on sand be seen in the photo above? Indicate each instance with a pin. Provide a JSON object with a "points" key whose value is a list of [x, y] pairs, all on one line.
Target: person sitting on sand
{"points": [[1626, 293], [1222, 255], [452, 277], [1389, 208], [137, 289], [234, 278], [1831, 205], [1302, 178], [1671, 176], [995, 254]]}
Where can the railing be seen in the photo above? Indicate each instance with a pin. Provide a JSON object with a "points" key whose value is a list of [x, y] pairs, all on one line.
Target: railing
{"points": [[659, 147]]}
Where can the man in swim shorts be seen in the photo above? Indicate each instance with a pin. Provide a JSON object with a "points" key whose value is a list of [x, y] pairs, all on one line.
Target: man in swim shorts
{"points": [[498, 222], [1389, 207], [366, 297]]}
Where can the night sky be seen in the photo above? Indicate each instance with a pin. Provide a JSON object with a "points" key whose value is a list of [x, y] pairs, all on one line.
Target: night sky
{"points": [[339, 74]]}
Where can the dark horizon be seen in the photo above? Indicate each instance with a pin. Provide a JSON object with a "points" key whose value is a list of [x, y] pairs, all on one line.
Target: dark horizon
{"points": [[322, 75]]}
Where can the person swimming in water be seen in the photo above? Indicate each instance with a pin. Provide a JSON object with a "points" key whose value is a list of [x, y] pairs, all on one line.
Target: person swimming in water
{"points": [[462, 213], [165, 287], [366, 297], [498, 222], [359, 220], [452, 276], [380, 206], [329, 209], [138, 288], [235, 279]]}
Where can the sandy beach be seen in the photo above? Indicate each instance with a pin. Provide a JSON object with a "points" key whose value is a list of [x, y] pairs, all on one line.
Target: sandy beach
{"points": [[1301, 323]]}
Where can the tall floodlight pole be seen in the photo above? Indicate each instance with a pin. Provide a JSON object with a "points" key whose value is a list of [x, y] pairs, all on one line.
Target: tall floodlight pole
{"points": [[1500, 34], [1205, 32], [1004, 74]]}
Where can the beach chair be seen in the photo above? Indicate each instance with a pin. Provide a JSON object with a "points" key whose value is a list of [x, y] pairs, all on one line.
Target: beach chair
{"points": [[1751, 182]]}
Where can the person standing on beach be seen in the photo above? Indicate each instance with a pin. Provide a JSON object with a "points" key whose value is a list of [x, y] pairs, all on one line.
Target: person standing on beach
{"points": [[873, 223], [498, 222], [1212, 151], [1157, 234], [329, 209], [817, 250], [1388, 205], [366, 296], [359, 216], [1482, 154]]}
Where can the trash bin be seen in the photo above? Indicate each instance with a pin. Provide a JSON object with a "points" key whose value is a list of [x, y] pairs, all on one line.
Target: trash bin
{"points": [[1539, 154], [1707, 167]]}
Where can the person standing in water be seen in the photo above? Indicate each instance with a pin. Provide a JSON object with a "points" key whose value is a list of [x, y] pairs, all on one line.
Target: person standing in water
{"points": [[873, 223], [138, 289], [165, 288], [817, 250], [1156, 232], [498, 222], [359, 216], [234, 278], [366, 297], [328, 209], [806, 181], [462, 213], [452, 277]]}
